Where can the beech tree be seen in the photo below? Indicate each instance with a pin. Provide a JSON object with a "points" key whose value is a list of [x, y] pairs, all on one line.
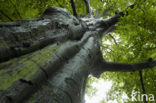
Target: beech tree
{"points": [[48, 59]]}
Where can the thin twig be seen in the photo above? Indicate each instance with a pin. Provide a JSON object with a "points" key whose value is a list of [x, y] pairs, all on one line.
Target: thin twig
{"points": [[142, 85], [73, 7], [113, 39], [6, 15]]}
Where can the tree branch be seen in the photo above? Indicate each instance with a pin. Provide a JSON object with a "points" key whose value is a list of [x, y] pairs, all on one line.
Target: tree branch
{"points": [[102, 66], [142, 85], [73, 7], [113, 39], [125, 67], [6, 15], [87, 7], [113, 20], [104, 25]]}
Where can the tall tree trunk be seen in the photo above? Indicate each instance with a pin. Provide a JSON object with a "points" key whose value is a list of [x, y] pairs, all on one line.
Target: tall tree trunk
{"points": [[48, 59]]}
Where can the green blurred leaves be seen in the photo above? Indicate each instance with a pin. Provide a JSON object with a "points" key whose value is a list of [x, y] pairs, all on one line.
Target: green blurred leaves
{"points": [[136, 42]]}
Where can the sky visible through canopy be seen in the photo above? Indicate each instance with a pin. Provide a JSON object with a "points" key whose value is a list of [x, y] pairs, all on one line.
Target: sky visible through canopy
{"points": [[102, 88]]}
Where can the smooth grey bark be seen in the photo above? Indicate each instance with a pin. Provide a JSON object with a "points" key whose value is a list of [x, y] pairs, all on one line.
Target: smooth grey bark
{"points": [[22, 37], [70, 80], [103, 66], [61, 76]]}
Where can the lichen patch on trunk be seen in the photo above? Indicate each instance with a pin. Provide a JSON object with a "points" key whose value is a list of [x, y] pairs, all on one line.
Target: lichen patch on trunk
{"points": [[25, 66]]}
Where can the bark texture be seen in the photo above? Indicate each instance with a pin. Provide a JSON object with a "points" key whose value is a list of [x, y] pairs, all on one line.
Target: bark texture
{"points": [[48, 59]]}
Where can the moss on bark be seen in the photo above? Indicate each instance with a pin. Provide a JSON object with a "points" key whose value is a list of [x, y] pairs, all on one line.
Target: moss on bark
{"points": [[25, 66]]}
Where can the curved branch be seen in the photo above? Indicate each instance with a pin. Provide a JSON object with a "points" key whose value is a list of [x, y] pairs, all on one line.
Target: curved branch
{"points": [[73, 7], [124, 67], [102, 66]]}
